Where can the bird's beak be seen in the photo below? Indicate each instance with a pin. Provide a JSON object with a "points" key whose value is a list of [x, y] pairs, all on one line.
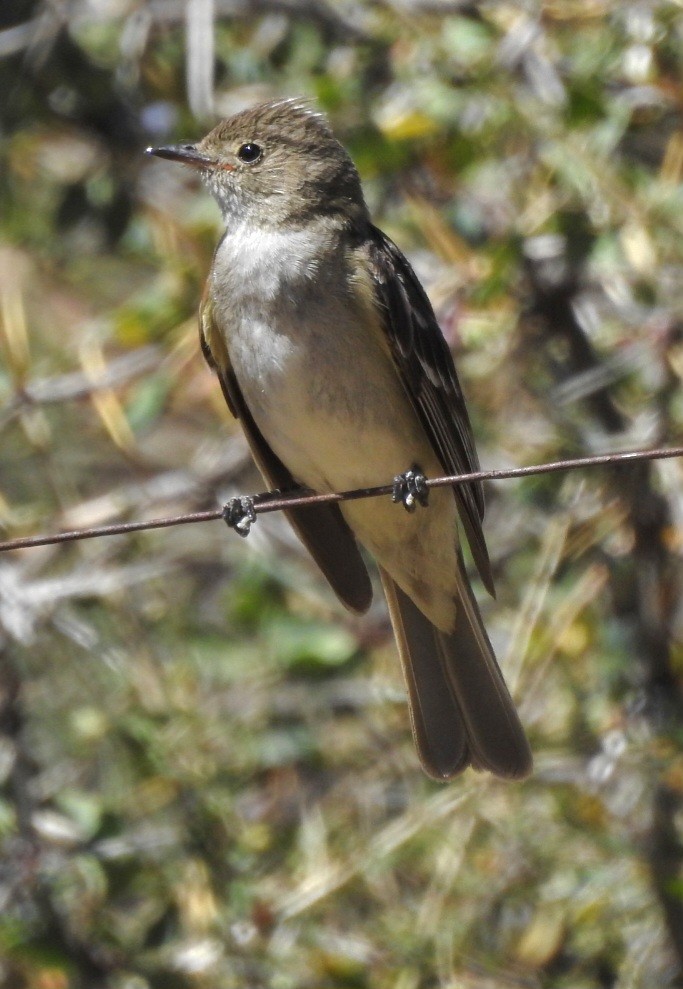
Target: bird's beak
{"points": [[186, 154]]}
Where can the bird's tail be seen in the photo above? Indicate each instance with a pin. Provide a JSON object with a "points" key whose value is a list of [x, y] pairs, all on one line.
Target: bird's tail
{"points": [[461, 710]]}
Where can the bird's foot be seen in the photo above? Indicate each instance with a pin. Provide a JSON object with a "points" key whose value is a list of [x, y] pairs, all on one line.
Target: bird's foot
{"points": [[239, 515], [410, 489]]}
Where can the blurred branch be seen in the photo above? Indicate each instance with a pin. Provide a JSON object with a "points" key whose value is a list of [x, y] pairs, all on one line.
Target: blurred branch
{"points": [[15, 39], [77, 384], [665, 861], [270, 502], [199, 64]]}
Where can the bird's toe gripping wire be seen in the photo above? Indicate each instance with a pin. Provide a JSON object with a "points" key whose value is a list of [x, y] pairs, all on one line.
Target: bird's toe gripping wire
{"points": [[239, 515], [410, 489]]}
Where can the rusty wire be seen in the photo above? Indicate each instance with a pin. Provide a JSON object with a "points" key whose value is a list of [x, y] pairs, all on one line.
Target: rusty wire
{"points": [[275, 501]]}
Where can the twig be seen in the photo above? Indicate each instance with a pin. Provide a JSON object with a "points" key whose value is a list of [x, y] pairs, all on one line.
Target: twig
{"points": [[75, 384], [273, 501]]}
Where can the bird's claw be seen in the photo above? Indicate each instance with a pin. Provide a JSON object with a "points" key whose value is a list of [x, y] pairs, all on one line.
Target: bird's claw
{"points": [[239, 515], [410, 489]]}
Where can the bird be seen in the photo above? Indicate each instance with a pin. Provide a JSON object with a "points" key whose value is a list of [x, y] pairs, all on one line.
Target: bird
{"points": [[328, 351]]}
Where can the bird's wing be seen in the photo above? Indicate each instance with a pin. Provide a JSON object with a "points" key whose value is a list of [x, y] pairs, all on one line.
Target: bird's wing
{"points": [[426, 367], [321, 528]]}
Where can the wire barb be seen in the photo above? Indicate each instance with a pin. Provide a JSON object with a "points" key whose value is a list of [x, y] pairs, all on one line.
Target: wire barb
{"points": [[267, 502]]}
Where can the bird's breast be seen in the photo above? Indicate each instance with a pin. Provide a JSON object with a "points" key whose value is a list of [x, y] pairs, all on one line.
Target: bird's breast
{"points": [[295, 332], [311, 359], [312, 362]]}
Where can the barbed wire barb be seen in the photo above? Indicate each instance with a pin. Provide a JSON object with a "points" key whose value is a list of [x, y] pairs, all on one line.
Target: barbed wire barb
{"points": [[276, 501]]}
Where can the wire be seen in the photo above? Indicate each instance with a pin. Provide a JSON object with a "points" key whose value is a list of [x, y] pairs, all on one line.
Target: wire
{"points": [[275, 501]]}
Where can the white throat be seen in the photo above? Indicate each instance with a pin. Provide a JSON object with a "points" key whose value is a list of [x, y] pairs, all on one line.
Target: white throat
{"points": [[260, 262]]}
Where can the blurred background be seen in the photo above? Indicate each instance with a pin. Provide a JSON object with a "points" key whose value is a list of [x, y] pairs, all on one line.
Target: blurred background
{"points": [[206, 769]]}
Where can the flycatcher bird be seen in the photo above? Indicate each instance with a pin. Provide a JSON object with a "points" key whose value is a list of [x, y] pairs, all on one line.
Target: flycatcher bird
{"points": [[328, 352]]}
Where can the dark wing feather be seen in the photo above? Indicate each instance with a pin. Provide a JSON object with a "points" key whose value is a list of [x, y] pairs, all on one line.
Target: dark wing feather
{"points": [[426, 366], [321, 528]]}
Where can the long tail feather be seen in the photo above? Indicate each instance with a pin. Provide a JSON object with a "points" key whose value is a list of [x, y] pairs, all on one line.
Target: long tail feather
{"points": [[461, 709]]}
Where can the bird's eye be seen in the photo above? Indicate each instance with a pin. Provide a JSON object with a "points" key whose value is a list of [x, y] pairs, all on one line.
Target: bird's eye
{"points": [[250, 153]]}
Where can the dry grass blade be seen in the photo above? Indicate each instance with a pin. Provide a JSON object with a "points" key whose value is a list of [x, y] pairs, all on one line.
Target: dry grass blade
{"points": [[323, 881]]}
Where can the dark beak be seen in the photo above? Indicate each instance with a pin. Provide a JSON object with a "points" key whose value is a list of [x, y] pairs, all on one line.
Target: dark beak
{"points": [[186, 154]]}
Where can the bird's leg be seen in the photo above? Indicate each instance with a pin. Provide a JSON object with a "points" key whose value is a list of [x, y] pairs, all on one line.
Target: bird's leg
{"points": [[410, 489], [239, 515]]}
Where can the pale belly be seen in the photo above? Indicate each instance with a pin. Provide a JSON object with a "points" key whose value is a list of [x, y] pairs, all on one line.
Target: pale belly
{"points": [[333, 409]]}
